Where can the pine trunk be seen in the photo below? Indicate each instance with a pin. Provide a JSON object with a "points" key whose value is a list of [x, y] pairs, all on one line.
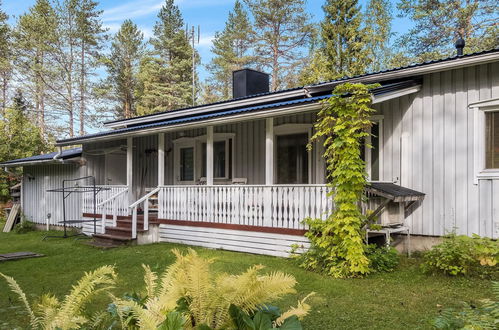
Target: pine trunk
{"points": [[82, 91]]}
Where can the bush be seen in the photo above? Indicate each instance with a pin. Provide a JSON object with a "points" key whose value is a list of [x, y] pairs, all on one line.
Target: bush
{"points": [[484, 316], [382, 258], [24, 226], [463, 255]]}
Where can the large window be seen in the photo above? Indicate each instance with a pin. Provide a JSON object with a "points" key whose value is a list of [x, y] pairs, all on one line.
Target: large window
{"points": [[292, 159], [492, 140]]}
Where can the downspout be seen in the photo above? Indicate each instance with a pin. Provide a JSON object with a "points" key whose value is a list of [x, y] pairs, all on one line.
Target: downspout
{"points": [[59, 153]]}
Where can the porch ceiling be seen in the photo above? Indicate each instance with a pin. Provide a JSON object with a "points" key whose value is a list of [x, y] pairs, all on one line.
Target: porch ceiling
{"points": [[380, 94]]}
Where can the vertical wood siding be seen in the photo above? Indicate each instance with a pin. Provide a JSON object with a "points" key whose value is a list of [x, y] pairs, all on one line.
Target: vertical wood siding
{"points": [[38, 202], [428, 146]]}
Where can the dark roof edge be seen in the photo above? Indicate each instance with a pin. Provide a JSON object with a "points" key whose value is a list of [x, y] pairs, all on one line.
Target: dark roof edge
{"points": [[320, 85]]}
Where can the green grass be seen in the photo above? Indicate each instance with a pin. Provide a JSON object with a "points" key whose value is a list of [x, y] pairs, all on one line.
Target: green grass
{"points": [[403, 299]]}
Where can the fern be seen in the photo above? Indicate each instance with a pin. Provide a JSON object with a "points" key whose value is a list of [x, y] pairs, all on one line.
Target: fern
{"points": [[299, 311], [50, 313], [22, 296], [207, 297]]}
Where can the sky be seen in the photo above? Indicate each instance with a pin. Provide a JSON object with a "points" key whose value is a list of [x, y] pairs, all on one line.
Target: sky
{"points": [[210, 15]]}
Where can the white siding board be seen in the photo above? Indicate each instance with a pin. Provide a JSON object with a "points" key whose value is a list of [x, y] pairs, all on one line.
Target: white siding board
{"points": [[427, 174], [449, 154]]}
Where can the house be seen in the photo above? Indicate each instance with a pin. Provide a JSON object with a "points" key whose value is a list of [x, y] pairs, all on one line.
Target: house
{"points": [[236, 174]]}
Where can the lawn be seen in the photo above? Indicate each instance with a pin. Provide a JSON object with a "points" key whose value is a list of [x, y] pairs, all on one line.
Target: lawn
{"points": [[405, 298]]}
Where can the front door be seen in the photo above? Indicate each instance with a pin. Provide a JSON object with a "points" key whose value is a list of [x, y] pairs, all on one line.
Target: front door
{"points": [[292, 166]]}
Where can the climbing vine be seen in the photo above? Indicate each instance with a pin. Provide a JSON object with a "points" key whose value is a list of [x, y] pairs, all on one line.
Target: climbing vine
{"points": [[342, 124]]}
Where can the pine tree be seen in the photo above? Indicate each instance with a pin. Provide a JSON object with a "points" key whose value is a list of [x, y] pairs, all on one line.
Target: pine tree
{"points": [[343, 39], [166, 76], [35, 36], [439, 23], [282, 30], [378, 18], [90, 37], [231, 49], [122, 65], [5, 58], [19, 138]]}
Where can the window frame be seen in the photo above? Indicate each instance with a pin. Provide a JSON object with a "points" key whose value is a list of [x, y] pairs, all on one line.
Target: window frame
{"points": [[197, 144], [479, 136], [368, 151], [292, 129]]}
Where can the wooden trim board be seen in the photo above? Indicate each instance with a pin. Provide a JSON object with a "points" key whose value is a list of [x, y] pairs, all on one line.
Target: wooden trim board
{"points": [[12, 218]]}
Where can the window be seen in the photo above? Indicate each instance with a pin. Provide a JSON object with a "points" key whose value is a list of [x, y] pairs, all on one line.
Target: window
{"points": [[292, 159], [492, 140], [222, 159], [187, 164]]}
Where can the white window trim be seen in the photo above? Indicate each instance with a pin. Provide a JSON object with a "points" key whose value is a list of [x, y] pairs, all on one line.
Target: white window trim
{"points": [[289, 129], [368, 151], [479, 109], [196, 142]]}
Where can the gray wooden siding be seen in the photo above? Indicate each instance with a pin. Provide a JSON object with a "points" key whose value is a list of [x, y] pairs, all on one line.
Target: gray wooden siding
{"points": [[428, 146], [37, 202]]}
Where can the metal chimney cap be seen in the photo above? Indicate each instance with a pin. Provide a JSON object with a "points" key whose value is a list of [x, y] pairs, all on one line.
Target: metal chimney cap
{"points": [[459, 44]]}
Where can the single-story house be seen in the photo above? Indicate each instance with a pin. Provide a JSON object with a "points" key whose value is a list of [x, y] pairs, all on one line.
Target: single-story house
{"points": [[237, 175]]}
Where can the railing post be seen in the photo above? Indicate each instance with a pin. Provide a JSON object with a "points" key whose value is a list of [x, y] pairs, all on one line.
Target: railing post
{"points": [[103, 220], [115, 211], [134, 222], [146, 214]]}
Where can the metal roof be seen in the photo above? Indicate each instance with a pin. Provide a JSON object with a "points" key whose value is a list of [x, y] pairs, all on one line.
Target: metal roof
{"points": [[377, 91], [414, 65], [66, 154]]}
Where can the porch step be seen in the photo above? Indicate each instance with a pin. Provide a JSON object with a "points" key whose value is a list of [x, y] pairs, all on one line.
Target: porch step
{"points": [[112, 240], [127, 223], [122, 231]]}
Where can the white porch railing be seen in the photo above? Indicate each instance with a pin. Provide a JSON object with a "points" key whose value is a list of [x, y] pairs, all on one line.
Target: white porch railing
{"points": [[134, 206], [118, 204], [280, 206], [103, 195]]}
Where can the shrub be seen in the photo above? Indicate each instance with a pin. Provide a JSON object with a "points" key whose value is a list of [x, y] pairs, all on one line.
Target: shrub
{"points": [[382, 258], [24, 226], [463, 255], [484, 316]]}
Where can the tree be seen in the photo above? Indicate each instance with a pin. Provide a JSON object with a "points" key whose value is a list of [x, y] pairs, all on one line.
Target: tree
{"points": [[378, 19], [343, 39], [439, 23], [122, 64], [19, 138], [166, 76], [5, 57], [34, 37], [231, 49], [282, 29], [89, 34]]}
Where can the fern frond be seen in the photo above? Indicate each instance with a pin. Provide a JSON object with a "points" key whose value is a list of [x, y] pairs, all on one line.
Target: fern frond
{"points": [[150, 279], [22, 296], [145, 320], [89, 285], [299, 311]]}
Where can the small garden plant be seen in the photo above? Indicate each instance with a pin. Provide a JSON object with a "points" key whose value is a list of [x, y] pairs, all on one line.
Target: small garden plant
{"points": [[337, 243], [464, 255], [484, 316]]}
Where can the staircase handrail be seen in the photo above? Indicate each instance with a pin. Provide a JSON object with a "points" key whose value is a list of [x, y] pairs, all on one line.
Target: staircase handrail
{"points": [[144, 199]]}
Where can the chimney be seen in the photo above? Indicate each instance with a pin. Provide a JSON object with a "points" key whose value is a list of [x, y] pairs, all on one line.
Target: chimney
{"points": [[459, 46], [247, 82]]}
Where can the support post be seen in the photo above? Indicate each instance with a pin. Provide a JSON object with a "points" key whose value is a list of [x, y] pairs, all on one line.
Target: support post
{"points": [[269, 151], [161, 159], [129, 168], [269, 170], [209, 155]]}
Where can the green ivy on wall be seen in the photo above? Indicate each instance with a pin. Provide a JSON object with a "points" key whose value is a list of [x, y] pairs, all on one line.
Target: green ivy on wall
{"points": [[342, 125]]}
